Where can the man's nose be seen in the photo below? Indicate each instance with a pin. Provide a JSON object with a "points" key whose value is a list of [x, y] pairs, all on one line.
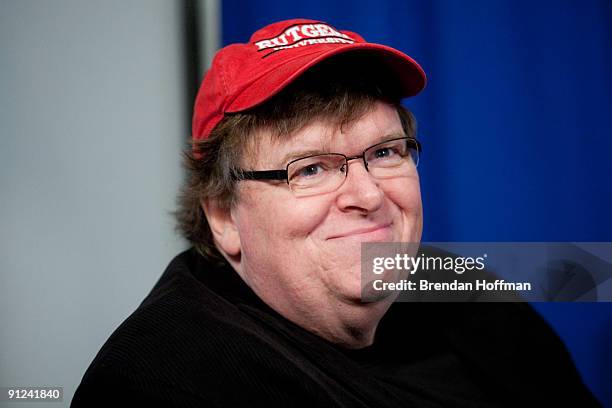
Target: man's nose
{"points": [[360, 191]]}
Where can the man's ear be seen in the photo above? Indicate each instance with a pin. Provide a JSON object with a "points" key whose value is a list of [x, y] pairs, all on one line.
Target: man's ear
{"points": [[223, 227]]}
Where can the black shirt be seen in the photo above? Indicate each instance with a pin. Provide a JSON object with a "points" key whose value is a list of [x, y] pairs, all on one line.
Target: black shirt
{"points": [[203, 338]]}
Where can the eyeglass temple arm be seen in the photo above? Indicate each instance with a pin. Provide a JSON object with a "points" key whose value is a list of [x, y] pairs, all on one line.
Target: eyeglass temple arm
{"points": [[416, 143], [261, 175]]}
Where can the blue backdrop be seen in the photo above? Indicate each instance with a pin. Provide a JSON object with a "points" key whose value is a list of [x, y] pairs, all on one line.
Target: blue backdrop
{"points": [[515, 123]]}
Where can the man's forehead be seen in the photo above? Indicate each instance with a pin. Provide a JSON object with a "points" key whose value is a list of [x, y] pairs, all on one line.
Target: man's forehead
{"points": [[270, 150], [324, 135]]}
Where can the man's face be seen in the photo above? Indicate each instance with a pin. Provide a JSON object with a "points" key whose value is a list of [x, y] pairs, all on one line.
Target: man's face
{"points": [[300, 253]]}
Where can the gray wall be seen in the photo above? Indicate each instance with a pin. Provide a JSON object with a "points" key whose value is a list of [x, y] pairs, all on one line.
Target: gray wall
{"points": [[92, 118]]}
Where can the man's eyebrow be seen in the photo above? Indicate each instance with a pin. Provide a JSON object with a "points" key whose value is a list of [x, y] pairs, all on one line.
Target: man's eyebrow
{"points": [[392, 136], [306, 153], [301, 153]]}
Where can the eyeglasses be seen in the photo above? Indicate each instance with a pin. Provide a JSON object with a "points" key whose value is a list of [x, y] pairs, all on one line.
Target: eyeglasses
{"points": [[324, 173]]}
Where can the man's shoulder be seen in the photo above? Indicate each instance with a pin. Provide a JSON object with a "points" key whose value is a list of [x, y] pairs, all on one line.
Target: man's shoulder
{"points": [[183, 334]]}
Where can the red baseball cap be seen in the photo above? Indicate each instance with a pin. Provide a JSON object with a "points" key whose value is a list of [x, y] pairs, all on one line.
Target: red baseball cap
{"points": [[243, 76]]}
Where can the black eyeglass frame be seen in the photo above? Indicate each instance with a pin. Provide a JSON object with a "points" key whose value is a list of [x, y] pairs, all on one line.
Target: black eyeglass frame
{"points": [[240, 174]]}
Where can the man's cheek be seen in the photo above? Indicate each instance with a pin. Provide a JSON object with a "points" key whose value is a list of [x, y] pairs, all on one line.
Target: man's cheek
{"points": [[304, 221], [406, 195]]}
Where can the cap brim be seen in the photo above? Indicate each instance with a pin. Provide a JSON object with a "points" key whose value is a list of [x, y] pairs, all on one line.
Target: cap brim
{"points": [[410, 77]]}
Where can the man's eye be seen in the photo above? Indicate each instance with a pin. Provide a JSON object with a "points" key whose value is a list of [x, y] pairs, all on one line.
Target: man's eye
{"points": [[384, 152], [309, 171]]}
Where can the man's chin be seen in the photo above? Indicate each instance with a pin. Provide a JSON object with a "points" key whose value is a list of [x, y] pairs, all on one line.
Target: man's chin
{"points": [[363, 294], [371, 295]]}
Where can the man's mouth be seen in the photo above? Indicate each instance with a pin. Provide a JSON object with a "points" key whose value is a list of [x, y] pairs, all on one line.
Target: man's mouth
{"points": [[380, 232]]}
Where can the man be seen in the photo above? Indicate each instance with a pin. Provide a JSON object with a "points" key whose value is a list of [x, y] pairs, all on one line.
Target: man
{"points": [[301, 152]]}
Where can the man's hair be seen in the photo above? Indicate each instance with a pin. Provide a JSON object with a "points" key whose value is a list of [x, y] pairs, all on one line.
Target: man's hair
{"points": [[338, 91]]}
